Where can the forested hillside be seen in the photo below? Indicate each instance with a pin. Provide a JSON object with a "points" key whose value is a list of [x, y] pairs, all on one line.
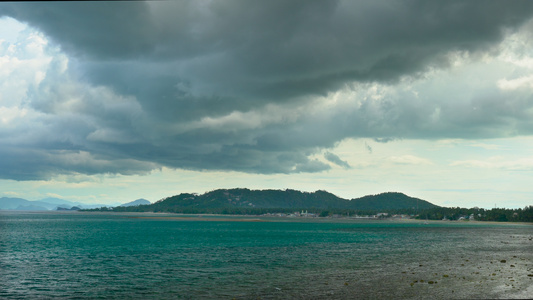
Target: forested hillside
{"points": [[261, 201]]}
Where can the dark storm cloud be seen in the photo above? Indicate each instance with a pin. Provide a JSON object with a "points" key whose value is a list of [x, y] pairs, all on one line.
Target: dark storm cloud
{"points": [[264, 51], [102, 30], [35, 164], [368, 147], [191, 84], [336, 160]]}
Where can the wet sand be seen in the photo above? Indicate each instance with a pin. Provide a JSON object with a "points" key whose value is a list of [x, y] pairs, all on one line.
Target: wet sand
{"points": [[506, 273]]}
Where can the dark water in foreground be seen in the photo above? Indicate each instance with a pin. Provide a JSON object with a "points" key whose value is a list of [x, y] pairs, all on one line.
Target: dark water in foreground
{"points": [[133, 256]]}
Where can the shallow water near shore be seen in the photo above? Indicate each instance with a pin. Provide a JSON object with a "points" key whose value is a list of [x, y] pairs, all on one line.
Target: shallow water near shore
{"points": [[149, 256]]}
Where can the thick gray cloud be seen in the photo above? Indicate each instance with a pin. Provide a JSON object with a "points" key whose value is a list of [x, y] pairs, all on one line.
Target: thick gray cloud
{"points": [[248, 52], [232, 85], [336, 160]]}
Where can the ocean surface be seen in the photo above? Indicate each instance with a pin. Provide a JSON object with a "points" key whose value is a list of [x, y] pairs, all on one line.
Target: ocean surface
{"points": [[78, 255]]}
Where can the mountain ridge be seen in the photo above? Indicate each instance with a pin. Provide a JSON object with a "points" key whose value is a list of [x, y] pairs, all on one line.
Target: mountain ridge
{"points": [[243, 199], [7, 203], [137, 202]]}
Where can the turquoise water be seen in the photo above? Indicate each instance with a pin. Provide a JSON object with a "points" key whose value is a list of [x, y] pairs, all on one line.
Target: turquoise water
{"points": [[135, 256]]}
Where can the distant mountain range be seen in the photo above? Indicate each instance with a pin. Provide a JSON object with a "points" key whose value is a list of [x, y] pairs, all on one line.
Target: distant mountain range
{"points": [[239, 200], [137, 202], [245, 200], [52, 204]]}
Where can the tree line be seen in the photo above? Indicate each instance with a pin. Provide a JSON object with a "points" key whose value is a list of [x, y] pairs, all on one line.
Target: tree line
{"points": [[438, 213], [480, 214]]}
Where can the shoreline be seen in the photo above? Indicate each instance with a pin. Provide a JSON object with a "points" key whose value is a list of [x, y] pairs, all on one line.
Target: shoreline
{"points": [[259, 218], [466, 222]]}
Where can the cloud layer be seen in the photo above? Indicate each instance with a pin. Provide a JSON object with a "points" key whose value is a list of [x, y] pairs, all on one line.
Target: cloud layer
{"points": [[262, 87]]}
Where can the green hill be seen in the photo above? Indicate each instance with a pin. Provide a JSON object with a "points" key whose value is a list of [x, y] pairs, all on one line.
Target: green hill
{"points": [[261, 201], [390, 201]]}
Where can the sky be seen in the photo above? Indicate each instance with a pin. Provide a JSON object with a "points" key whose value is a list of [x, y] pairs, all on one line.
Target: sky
{"points": [[108, 102]]}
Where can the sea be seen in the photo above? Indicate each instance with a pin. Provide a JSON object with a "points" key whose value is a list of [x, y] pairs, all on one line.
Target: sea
{"points": [[82, 255]]}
